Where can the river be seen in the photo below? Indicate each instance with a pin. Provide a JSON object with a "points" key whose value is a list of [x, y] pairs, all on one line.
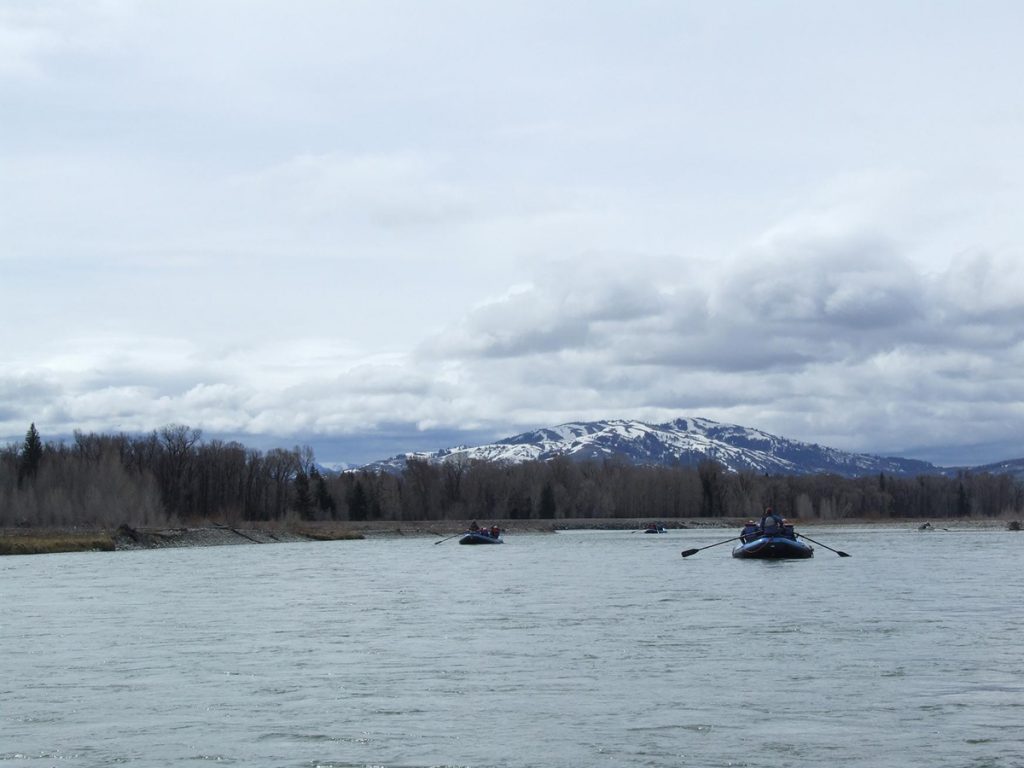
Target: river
{"points": [[579, 648]]}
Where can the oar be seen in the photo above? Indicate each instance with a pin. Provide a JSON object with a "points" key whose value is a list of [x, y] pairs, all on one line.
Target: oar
{"points": [[688, 552], [826, 546], [450, 537]]}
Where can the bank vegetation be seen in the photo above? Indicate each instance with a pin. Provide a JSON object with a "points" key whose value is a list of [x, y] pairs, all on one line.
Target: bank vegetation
{"points": [[173, 477]]}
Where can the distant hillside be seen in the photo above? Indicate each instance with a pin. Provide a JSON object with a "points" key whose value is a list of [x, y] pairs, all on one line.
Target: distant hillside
{"points": [[685, 441], [1014, 467]]}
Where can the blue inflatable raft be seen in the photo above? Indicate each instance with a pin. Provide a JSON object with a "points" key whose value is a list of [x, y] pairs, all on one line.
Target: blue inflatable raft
{"points": [[480, 537], [780, 547]]}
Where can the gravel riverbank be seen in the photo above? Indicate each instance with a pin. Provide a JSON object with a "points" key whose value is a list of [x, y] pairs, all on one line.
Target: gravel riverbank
{"points": [[126, 537]]}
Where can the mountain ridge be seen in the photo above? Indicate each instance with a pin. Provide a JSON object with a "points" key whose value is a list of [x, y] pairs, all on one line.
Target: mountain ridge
{"points": [[684, 441]]}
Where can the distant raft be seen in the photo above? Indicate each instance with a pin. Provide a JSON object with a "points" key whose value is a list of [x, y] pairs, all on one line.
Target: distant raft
{"points": [[482, 536]]}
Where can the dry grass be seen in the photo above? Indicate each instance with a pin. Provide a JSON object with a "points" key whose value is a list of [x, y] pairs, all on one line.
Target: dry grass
{"points": [[43, 543]]}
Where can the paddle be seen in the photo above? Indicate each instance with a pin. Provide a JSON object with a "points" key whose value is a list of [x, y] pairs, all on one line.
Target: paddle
{"points": [[826, 546], [688, 552], [450, 537]]}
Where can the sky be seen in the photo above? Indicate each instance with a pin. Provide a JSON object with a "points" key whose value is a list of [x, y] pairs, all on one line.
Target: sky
{"points": [[383, 226]]}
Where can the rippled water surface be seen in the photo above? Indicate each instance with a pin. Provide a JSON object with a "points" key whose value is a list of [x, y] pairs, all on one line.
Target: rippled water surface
{"points": [[572, 649]]}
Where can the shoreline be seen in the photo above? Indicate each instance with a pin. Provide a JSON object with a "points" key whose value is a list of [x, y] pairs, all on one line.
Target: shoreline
{"points": [[449, 527], [17, 541]]}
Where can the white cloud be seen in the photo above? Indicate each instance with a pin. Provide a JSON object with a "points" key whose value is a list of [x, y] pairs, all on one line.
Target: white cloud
{"points": [[347, 219]]}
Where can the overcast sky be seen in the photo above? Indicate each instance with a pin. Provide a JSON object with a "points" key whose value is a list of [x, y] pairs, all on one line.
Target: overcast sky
{"points": [[381, 226]]}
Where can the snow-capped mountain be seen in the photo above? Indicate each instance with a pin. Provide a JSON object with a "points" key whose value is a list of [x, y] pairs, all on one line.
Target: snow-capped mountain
{"points": [[686, 441]]}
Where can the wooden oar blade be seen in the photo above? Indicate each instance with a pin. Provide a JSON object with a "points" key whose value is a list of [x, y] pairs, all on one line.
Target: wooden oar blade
{"points": [[688, 552]]}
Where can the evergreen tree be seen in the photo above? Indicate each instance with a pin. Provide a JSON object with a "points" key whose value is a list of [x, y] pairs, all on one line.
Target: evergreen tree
{"points": [[324, 500], [963, 502], [303, 501], [357, 502], [31, 454], [548, 507]]}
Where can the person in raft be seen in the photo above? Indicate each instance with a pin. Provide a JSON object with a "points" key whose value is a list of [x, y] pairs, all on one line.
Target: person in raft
{"points": [[474, 527], [771, 521], [495, 531], [749, 532]]}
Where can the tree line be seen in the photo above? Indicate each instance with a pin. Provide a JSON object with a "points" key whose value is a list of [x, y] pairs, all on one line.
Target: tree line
{"points": [[172, 476]]}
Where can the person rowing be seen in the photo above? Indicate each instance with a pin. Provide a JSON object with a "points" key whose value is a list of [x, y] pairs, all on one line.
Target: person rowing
{"points": [[750, 531]]}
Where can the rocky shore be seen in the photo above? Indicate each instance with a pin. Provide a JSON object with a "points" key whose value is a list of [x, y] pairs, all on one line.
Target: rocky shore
{"points": [[126, 537]]}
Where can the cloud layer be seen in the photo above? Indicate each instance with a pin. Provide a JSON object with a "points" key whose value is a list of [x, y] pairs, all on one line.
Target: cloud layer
{"points": [[370, 226]]}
